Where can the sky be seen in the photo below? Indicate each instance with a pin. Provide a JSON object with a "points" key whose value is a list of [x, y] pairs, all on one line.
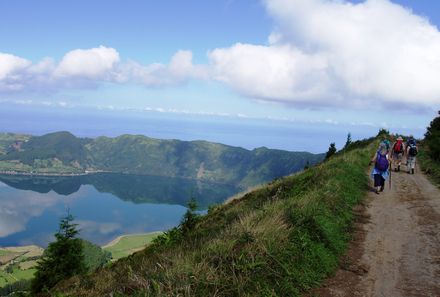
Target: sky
{"points": [[354, 65]]}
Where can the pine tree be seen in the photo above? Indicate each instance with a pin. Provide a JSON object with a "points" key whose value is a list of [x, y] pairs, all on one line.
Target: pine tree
{"points": [[307, 166], [348, 142], [62, 259], [331, 150]]}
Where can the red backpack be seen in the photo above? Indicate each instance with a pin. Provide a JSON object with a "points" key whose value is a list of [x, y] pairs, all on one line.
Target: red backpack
{"points": [[398, 147]]}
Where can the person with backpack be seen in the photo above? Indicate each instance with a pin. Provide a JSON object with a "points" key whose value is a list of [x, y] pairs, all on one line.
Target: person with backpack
{"points": [[398, 150], [387, 143], [411, 153], [380, 170]]}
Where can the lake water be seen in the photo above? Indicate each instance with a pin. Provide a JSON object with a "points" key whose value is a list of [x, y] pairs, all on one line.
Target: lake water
{"points": [[104, 205]]}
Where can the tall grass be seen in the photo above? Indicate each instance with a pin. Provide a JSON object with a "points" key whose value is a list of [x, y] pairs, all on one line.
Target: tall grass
{"points": [[429, 166], [279, 240]]}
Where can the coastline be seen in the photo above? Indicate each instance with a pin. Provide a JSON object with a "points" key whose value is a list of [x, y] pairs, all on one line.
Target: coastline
{"points": [[107, 245], [18, 173], [120, 237]]}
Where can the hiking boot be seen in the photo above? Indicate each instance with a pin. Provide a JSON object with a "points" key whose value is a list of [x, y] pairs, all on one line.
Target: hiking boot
{"points": [[412, 170], [398, 167], [395, 169], [381, 188]]}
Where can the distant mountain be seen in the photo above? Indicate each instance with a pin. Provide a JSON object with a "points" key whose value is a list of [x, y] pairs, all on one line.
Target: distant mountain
{"points": [[62, 152]]}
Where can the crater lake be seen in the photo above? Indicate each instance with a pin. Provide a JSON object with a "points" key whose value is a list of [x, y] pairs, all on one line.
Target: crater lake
{"points": [[105, 205]]}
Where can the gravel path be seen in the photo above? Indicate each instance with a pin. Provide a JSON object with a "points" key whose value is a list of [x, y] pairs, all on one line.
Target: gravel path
{"points": [[396, 246]]}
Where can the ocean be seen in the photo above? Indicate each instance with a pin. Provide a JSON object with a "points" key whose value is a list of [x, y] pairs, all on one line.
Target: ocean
{"points": [[242, 132]]}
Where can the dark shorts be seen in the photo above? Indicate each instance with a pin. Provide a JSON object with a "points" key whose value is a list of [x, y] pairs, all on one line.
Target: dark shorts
{"points": [[379, 181], [397, 156]]}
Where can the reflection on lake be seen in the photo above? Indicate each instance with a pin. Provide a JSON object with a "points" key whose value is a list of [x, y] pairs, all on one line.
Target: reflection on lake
{"points": [[104, 205]]}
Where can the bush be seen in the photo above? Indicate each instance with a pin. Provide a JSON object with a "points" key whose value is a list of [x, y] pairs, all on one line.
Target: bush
{"points": [[94, 256], [432, 139], [18, 288]]}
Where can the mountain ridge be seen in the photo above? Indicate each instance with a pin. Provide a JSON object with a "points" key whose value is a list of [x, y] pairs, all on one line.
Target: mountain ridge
{"points": [[62, 152]]}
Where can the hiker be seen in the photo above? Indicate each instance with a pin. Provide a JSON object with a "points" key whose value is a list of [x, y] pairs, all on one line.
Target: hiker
{"points": [[387, 144], [411, 153], [397, 153], [380, 169]]}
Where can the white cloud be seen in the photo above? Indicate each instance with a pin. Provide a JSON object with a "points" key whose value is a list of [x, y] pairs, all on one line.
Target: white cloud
{"points": [[335, 52], [11, 72], [278, 72], [10, 65], [88, 67], [83, 68], [95, 63], [179, 70], [321, 53]]}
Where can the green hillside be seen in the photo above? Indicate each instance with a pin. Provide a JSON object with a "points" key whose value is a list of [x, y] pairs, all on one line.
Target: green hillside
{"points": [[62, 152], [279, 240]]}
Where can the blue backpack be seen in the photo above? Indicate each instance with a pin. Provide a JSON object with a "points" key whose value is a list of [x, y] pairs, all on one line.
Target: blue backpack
{"points": [[381, 162]]}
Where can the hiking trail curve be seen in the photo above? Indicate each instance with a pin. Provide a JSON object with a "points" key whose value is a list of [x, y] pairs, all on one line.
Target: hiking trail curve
{"points": [[395, 251]]}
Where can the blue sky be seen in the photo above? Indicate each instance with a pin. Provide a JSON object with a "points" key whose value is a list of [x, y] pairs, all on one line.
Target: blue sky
{"points": [[370, 63]]}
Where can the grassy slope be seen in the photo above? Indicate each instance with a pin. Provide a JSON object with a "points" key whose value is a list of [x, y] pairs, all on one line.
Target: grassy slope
{"points": [[429, 166], [279, 240]]}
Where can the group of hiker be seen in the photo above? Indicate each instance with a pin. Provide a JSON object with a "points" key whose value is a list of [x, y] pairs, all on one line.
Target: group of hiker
{"points": [[389, 157]]}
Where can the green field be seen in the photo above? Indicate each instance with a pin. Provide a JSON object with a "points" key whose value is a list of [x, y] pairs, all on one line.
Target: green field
{"points": [[18, 274], [23, 274], [4, 252], [13, 259], [128, 244], [6, 278]]}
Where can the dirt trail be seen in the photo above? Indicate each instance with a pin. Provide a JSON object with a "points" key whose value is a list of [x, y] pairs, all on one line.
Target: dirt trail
{"points": [[396, 247]]}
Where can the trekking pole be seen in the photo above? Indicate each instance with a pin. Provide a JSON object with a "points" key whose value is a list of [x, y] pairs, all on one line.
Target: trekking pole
{"points": [[389, 169]]}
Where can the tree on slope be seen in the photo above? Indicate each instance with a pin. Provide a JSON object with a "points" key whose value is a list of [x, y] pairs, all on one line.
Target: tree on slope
{"points": [[62, 259], [348, 142], [432, 138], [331, 150]]}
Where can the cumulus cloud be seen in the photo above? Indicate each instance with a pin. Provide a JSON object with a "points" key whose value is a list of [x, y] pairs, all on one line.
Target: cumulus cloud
{"points": [[179, 70], [96, 63], [11, 70], [82, 68], [324, 52], [278, 72], [11, 64], [76, 69], [320, 53]]}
